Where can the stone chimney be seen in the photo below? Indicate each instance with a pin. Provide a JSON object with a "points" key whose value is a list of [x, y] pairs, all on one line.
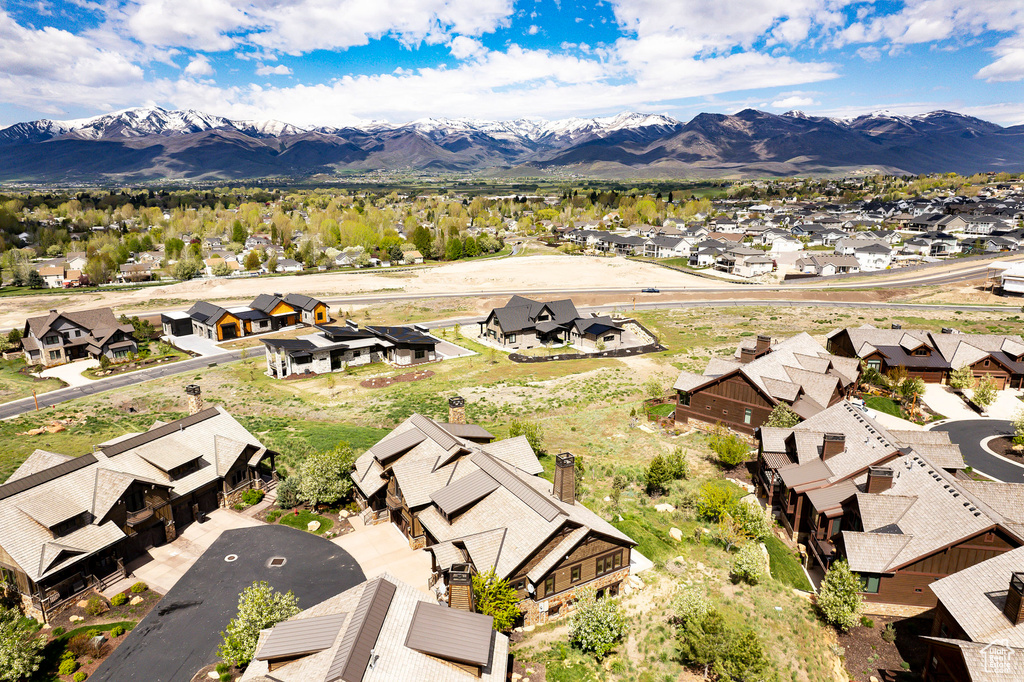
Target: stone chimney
{"points": [[764, 344], [879, 479], [460, 587], [195, 398], [565, 478], [1013, 608], [833, 445], [457, 410], [747, 355]]}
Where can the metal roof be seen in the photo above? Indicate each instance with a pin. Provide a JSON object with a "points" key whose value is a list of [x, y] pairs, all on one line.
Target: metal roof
{"points": [[27, 483], [301, 636], [467, 431], [516, 486], [159, 432], [831, 498], [396, 445], [815, 470], [356, 647], [451, 634], [464, 491]]}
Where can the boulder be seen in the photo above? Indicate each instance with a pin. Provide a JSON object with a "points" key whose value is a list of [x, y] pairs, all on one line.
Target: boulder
{"points": [[76, 619], [82, 603], [213, 675], [664, 507], [135, 601], [676, 534], [313, 526]]}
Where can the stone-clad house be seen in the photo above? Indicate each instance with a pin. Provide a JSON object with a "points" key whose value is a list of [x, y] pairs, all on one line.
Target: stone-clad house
{"points": [[525, 323], [70, 524], [477, 504], [57, 338], [382, 630], [741, 392]]}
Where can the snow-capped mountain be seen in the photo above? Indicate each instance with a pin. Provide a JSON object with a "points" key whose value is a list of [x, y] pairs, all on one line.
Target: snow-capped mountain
{"points": [[152, 142]]}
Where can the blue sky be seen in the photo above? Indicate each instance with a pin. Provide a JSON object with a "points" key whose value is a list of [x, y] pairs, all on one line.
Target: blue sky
{"points": [[338, 62]]}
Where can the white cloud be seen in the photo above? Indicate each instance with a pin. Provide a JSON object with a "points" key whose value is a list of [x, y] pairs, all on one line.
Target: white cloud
{"points": [[198, 67], [533, 30], [1010, 65], [463, 47], [279, 70], [793, 101], [869, 54]]}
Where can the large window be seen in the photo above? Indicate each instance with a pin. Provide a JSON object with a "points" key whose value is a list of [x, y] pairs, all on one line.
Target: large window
{"points": [[55, 355], [875, 365], [50, 340], [869, 583], [607, 564], [420, 354], [511, 338], [684, 398]]}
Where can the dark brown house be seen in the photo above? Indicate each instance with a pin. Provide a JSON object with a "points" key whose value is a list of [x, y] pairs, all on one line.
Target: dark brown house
{"points": [[741, 392]]}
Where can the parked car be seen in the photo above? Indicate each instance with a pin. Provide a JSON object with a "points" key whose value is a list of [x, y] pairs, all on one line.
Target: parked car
{"points": [[650, 290]]}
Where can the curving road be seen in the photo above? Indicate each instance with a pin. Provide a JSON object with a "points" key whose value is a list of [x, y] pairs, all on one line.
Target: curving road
{"points": [[969, 433]]}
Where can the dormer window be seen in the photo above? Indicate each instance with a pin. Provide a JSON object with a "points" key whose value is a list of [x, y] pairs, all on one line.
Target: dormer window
{"points": [[922, 351], [67, 527]]}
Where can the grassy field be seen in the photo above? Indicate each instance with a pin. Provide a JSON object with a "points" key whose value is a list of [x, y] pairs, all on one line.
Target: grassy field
{"points": [[16, 383]]}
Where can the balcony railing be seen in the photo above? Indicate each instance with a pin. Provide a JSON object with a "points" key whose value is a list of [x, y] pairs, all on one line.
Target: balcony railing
{"points": [[394, 501], [823, 550], [137, 517]]}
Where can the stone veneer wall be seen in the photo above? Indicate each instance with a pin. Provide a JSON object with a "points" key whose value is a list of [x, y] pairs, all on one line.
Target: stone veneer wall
{"points": [[229, 500], [532, 614]]}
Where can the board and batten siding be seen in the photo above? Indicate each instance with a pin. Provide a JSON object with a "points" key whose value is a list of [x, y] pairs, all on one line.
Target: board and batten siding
{"points": [[726, 401], [585, 556]]}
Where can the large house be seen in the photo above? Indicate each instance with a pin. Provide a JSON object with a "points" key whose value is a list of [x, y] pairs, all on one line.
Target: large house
{"points": [[525, 323], [381, 630], [70, 524], [978, 628], [335, 348], [57, 338], [266, 313], [740, 392], [476, 504], [931, 356]]}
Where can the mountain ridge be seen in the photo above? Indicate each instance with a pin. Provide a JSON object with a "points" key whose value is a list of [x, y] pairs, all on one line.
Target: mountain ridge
{"points": [[145, 143]]}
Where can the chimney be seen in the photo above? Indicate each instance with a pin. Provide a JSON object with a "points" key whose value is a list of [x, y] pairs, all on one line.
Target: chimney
{"points": [[747, 355], [195, 398], [457, 410], [565, 478], [764, 344], [460, 587], [1013, 608], [53, 310], [279, 295], [833, 445], [879, 479]]}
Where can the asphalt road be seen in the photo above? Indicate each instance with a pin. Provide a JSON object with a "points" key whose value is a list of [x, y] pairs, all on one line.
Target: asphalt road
{"points": [[181, 634], [969, 433], [17, 407]]}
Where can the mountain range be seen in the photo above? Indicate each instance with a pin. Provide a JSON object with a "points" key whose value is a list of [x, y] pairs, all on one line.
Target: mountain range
{"points": [[153, 143]]}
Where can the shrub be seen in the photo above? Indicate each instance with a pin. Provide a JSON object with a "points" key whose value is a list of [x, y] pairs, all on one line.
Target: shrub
{"points": [[730, 448], [866, 622], [715, 499], [288, 492], [225, 677], [839, 598], [757, 522], [251, 497], [783, 417], [690, 604], [117, 631], [532, 431], [596, 625], [889, 633], [324, 476], [657, 476], [678, 465], [79, 676], [962, 378], [496, 597], [273, 516], [95, 606], [139, 588], [119, 599], [79, 644], [67, 666], [729, 653], [222, 667], [259, 607], [984, 393], [58, 631], [749, 564]]}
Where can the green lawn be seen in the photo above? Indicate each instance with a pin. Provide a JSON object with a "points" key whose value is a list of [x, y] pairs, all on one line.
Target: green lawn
{"points": [[785, 565], [303, 518], [883, 404], [663, 410], [15, 384]]}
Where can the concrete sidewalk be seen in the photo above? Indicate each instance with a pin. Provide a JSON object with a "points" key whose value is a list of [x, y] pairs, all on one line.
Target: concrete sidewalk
{"points": [[383, 548]]}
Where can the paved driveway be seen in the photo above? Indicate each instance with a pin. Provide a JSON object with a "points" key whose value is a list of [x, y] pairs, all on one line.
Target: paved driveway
{"points": [[71, 373], [162, 566], [196, 344], [943, 401], [383, 548], [182, 633], [969, 435]]}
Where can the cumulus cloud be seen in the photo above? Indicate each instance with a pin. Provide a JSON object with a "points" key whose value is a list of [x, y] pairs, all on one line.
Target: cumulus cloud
{"points": [[1010, 64], [793, 101], [198, 67], [279, 70]]}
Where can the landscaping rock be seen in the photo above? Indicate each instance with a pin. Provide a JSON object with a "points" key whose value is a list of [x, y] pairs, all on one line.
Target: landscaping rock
{"points": [[82, 603], [343, 514], [529, 628], [516, 677], [676, 534], [213, 675], [135, 601], [313, 526], [76, 619], [664, 507]]}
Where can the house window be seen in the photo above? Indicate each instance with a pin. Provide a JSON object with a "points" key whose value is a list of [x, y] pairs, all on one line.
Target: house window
{"points": [[987, 362], [610, 337], [575, 576], [118, 354], [875, 365], [747, 414], [319, 316], [549, 585], [684, 399], [54, 354], [52, 339], [511, 338], [356, 353], [420, 354], [869, 583], [921, 351], [519, 585]]}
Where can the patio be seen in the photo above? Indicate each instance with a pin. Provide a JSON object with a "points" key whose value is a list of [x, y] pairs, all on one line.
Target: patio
{"points": [[382, 548]]}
